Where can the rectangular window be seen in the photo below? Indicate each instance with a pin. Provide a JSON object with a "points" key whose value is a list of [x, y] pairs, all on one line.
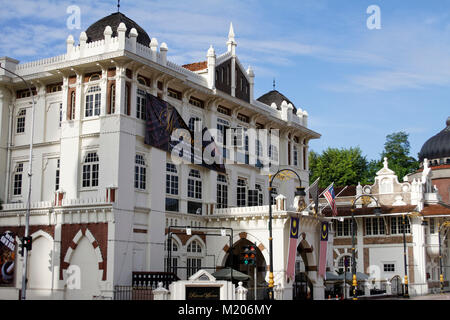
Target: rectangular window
{"points": [[60, 114], [196, 102], [57, 176], [222, 192], [93, 97], [141, 104], [17, 187], [90, 170], [241, 192], [174, 93], [389, 267], [374, 226], [397, 225], [171, 179], [172, 205], [252, 198], [222, 127], [344, 228], [21, 121], [193, 265], [194, 207]]}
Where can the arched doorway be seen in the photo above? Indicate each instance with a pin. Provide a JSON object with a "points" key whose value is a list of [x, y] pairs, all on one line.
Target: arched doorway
{"points": [[235, 261], [396, 286], [302, 286]]}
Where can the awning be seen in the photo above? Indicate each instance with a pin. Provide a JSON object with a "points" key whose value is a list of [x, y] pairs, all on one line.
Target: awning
{"points": [[225, 274], [331, 276]]}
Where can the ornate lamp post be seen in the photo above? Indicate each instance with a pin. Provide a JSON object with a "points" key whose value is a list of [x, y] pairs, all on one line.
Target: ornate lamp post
{"points": [[377, 212], [27, 216], [300, 191]]}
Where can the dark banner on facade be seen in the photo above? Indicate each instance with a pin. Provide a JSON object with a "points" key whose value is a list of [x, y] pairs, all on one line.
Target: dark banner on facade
{"points": [[7, 258], [162, 120]]}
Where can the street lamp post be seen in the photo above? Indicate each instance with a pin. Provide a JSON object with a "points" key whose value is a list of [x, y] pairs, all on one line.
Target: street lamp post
{"points": [[27, 216], [441, 275], [406, 295], [299, 192], [377, 212]]}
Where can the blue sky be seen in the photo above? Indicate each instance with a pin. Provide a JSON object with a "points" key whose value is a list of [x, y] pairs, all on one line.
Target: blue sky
{"points": [[358, 85]]}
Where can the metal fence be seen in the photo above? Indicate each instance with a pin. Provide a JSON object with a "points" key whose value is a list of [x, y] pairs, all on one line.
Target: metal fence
{"points": [[133, 293]]}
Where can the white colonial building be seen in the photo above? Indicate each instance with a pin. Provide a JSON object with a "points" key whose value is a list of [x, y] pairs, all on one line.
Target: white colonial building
{"points": [[102, 200], [380, 246]]}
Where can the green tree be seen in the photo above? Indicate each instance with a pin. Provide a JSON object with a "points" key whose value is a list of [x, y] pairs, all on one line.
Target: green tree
{"points": [[341, 166], [397, 149]]}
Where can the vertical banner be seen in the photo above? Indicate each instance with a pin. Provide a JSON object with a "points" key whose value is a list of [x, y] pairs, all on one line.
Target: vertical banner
{"points": [[323, 249], [292, 252], [7, 257]]}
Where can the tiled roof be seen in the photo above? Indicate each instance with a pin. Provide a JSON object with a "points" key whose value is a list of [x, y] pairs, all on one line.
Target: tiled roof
{"points": [[435, 209], [196, 66], [428, 210], [346, 211]]}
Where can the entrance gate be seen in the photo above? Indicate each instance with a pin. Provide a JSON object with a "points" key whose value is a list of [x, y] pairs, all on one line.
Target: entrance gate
{"points": [[396, 286]]}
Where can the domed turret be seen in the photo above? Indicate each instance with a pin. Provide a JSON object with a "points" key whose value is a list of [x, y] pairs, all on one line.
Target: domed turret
{"points": [[275, 97], [96, 30], [438, 146]]}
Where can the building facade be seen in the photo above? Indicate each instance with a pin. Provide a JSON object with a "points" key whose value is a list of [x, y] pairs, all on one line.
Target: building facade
{"points": [[103, 200], [412, 206]]}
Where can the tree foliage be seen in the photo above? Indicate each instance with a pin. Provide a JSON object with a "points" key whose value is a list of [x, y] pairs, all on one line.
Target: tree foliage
{"points": [[341, 166], [349, 166]]}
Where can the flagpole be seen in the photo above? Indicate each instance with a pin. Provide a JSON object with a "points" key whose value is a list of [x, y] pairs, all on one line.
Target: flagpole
{"points": [[336, 196], [319, 195], [311, 184]]}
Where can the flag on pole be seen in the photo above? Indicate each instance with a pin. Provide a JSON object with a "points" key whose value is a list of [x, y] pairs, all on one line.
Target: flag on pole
{"points": [[329, 195], [323, 249], [293, 237]]}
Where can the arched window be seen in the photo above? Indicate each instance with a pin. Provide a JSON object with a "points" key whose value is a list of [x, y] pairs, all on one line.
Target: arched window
{"points": [[295, 156], [193, 263], [17, 187], [93, 100], [141, 101], [94, 77], [140, 172], [21, 121], [142, 81], [194, 247], [222, 191], [112, 99], [71, 113], [194, 184], [90, 170]]}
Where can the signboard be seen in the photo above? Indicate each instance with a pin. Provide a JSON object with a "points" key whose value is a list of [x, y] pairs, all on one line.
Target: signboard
{"points": [[7, 257], [163, 119], [202, 293]]}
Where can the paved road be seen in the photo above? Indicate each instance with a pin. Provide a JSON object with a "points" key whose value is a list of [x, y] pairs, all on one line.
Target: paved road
{"points": [[445, 296]]}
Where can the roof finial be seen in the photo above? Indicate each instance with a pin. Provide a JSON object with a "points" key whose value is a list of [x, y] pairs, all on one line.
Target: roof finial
{"points": [[231, 32], [273, 84], [118, 5]]}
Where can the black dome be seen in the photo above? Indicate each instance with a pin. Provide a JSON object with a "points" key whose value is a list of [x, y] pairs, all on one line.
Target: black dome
{"points": [[95, 31], [277, 97], [437, 146]]}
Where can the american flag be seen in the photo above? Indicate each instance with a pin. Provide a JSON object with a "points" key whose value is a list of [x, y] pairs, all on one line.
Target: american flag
{"points": [[329, 195]]}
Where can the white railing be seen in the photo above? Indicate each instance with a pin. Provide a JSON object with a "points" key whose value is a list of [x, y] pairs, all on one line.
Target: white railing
{"points": [[244, 210], [28, 66], [50, 204]]}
